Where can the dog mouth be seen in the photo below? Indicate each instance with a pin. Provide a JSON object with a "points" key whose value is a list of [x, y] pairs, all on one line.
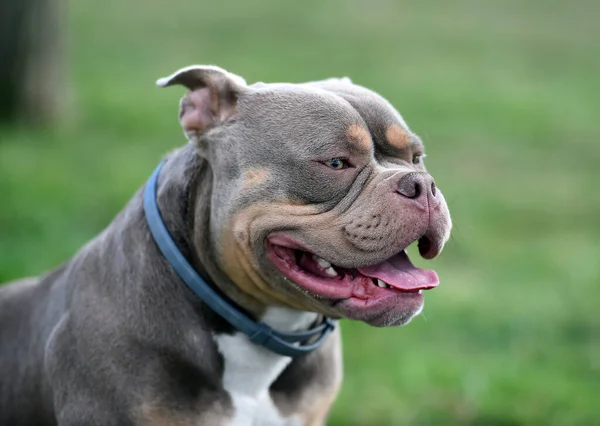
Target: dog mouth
{"points": [[396, 276]]}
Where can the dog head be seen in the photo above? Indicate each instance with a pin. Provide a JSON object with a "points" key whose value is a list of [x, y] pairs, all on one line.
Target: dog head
{"points": [[318, 189]]}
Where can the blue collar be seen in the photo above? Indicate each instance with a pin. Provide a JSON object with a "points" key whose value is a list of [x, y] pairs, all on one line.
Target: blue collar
{"points": [[287, 344]]}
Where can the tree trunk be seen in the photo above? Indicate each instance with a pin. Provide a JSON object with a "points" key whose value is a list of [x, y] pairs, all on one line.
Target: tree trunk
{"points": [[31, 61]]}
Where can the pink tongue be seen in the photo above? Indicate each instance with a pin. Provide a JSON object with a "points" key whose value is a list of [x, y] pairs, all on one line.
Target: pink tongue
{"points": [[400, 273]]}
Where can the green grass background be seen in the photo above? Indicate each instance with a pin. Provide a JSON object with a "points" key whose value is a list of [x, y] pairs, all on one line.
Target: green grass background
{"points": [[504, 94]]}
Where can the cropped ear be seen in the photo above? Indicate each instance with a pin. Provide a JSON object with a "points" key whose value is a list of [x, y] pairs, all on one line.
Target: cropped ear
{"points": [[212, 98]]}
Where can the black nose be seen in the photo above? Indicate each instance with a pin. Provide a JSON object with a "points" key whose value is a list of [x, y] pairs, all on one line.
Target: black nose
{"points": [[416, 186]]}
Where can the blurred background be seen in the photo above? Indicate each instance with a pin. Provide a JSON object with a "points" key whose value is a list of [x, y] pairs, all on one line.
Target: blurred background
{"points": [[505, 95]]}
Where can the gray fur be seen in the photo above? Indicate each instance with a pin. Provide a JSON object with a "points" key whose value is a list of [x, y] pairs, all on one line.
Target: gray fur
{"points": [[112, 337]]}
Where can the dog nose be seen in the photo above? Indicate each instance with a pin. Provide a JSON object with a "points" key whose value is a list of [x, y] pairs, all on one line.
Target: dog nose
{"points": [[417, 186]]}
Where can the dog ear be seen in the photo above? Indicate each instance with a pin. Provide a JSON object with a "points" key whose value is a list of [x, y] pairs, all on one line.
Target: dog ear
{"points": [[212, 98]]}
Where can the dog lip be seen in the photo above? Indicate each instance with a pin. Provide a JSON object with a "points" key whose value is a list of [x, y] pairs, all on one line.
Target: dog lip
{"points": [[396, 272], [429, 246], [284, 240]]}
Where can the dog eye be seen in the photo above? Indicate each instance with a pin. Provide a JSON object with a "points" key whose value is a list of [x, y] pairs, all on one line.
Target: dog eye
{"points": [[416, 159], [337, 163]]}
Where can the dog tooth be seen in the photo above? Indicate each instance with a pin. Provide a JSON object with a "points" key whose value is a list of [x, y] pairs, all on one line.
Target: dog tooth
{"points": [[331, 272], [322, 262], [381, 283], [420, 292]]}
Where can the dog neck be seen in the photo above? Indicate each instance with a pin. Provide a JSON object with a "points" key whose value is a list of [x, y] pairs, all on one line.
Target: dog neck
{"points": [[184, 194]]}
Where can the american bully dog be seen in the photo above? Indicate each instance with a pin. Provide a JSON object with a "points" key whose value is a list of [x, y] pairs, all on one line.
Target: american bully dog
{"points": [[212, 298]]}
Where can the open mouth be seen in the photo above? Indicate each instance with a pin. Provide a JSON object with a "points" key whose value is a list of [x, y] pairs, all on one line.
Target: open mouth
{"points": [[396, 276]]}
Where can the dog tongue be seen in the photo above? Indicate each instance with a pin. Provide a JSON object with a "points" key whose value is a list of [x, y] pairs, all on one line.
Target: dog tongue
{"points": [[399, 272]]}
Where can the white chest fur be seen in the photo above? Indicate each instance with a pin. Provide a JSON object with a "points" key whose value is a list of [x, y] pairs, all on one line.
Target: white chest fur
{"points": [[251, 369]]}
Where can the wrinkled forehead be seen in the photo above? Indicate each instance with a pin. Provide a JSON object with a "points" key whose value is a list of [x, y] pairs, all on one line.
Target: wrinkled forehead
{"points": [[388, 129], [326, 117], [304, 117]]}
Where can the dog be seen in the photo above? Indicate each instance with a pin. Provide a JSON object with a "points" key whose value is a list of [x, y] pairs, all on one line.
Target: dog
{"points": [[293, 205]]}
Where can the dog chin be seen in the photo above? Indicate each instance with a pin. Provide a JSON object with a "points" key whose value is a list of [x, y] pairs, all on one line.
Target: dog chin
{"points": [[380, 316]]}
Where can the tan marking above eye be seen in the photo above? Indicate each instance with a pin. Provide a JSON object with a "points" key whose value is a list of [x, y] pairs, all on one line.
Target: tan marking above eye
{"points": [[397, 136], [359, 136], [254, 177]]}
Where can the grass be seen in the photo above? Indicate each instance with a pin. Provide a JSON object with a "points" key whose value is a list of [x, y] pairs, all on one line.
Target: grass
{"points": [[504, 95]]}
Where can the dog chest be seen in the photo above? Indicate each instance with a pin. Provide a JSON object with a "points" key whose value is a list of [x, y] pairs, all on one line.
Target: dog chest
{"points": [[251, 369], [249, 372]]}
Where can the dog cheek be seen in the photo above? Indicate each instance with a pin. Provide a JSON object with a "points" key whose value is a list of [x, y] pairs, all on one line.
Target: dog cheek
{"points": [[234, 256], [238, 257]]}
